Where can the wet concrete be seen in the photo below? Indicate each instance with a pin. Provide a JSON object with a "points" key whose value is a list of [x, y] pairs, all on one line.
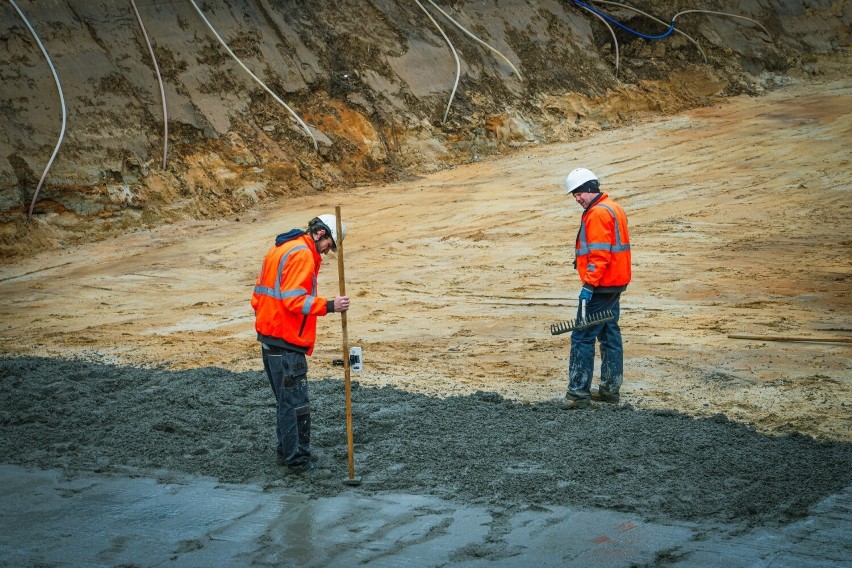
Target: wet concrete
{"points": [[51, 520], [110, 465]]}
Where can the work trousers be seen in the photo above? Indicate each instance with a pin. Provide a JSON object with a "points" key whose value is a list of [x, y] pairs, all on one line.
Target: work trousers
{"points": [[581, 363], [288, 377]]}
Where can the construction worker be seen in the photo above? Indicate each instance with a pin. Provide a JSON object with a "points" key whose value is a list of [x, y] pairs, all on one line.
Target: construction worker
{"points": [[602, 259], [286, 308]]}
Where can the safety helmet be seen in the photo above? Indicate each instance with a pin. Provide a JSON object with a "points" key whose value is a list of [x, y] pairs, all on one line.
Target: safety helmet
{"points": [[328, 222], [578, 178]]}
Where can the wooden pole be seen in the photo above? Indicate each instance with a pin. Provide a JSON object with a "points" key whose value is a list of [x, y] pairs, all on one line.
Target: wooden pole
{"points": [[346, 381], [790, 338]]}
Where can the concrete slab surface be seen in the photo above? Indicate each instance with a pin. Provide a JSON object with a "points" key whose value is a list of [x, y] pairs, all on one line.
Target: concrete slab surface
{"points": [[48, 519]]}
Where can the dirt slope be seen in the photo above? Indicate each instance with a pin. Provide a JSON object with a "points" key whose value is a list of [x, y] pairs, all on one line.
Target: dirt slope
{"points": [[373, 80], [739, 220]]}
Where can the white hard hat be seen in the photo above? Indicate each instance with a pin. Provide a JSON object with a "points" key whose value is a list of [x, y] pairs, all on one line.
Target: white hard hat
{"points": [[330, 223], [579, 177]]}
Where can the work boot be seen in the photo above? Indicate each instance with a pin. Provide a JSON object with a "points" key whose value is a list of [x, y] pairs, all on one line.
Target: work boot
{"points": [[298, 469], [310, 471], [279, 458], [566, 403], [603, 394]]}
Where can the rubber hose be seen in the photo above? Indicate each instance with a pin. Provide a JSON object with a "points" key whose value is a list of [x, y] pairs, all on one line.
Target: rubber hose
{"points": [[659, 21], [663, 35], [724, 14], [253, 76], [456, 55], [61, 100], [462, 28], [611, 31], [160, 81]]}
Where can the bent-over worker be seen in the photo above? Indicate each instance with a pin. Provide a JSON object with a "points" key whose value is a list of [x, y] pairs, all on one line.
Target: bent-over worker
{"points": [[286, 308]]}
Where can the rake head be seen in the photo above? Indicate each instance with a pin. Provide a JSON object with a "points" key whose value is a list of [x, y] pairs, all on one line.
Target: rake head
{"points": [[582, 323]]}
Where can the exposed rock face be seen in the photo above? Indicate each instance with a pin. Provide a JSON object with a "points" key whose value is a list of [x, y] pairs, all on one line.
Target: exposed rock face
{"points": [[372, 80]]}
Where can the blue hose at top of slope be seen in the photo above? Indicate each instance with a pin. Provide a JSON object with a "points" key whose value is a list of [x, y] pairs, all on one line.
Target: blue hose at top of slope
{"points": [[608, 18]]}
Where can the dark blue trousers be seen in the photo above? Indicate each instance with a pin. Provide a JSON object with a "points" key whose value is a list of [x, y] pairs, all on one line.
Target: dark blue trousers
{"points": [[581, 363]]}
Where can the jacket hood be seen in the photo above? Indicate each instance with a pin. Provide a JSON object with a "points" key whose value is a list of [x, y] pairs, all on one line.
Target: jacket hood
{"points": [[288, 236]]}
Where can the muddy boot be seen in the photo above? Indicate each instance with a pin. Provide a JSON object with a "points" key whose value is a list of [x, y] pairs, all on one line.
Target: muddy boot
{"points": [[570, 403], [603, 394], [311, 472]]}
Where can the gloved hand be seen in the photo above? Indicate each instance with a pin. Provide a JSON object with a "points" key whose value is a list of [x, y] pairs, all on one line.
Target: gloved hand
{"points": [[586, 293]]}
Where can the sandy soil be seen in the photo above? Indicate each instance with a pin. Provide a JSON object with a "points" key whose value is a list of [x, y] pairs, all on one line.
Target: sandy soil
{"points": [[134, 357], [739, 220]]}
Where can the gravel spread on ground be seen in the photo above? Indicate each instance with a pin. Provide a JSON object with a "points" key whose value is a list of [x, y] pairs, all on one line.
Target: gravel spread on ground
{"points": [[82, 416]]}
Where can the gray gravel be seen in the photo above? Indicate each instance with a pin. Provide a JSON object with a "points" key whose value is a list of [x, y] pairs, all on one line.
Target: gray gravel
{"points": [[88, 417]]}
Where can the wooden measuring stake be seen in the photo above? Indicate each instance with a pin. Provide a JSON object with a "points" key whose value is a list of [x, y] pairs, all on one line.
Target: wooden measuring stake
{"points": [[346, 382]]}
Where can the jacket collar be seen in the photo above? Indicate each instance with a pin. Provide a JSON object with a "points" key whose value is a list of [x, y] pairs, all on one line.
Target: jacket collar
{"points": [[594, 202]]}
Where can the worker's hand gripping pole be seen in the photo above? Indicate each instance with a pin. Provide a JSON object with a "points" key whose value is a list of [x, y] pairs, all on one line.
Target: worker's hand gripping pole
{"points": [[346, 382]]}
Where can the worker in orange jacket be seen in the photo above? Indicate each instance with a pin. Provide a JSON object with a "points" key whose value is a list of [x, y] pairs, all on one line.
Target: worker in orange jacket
{"points": [[286, 308], [602, 259]]}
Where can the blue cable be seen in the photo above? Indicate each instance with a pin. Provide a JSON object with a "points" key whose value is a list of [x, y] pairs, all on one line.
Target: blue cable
{"points": [[666, 34]]}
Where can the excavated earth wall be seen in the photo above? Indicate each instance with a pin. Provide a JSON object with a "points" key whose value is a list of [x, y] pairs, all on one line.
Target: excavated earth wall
{"points": [[372, 80]]}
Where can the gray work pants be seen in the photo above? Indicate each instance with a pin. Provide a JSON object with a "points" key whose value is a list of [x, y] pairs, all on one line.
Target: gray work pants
{"points": [[288, 377]]}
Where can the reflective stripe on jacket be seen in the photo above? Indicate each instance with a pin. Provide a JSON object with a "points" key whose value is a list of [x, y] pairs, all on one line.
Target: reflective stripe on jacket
{"points": [[603, 246], [285, 297]]}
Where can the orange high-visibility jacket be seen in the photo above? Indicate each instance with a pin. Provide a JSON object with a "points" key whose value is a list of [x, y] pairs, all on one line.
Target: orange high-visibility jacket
{"points": [[285, 297], [603, 246]]}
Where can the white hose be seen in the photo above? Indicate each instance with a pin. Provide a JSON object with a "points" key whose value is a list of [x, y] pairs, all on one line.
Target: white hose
{"points": [[659, 21], [723, 14], [614, 41], [253, 76], [160, 81], [61, 100], [462, 28], [453, 49]]}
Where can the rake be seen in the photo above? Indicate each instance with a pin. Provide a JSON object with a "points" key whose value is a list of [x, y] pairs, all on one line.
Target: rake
{"points": [[583, 321]]}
